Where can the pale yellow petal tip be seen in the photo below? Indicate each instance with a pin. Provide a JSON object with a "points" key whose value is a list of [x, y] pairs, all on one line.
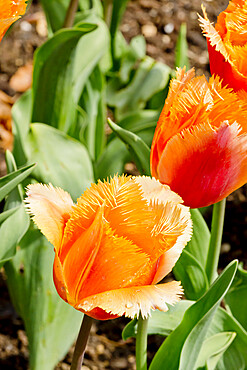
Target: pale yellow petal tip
{"points": [[135, 301], [154, 191]]}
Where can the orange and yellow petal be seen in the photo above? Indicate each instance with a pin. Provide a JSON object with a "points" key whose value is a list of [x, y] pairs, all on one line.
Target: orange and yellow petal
{"points": [[50, 209], [10, 11], [205, 164], [133, 301]]}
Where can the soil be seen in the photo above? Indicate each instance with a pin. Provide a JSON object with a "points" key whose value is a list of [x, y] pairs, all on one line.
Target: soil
{"points": [[159, 22]]}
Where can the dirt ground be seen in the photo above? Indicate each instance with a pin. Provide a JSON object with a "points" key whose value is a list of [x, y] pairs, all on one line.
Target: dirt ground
{"points": [[159, 22]]}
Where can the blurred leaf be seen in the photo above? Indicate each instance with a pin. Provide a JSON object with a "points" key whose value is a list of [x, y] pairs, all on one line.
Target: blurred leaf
{"points": [[53, 78], [190, 268], [93, 103], [140, 120], [213, 349], [137, 51], [55, 11], [191, 332], [236, 298], [114, 21], [112, 160], [14, 208], [138, 149], [51, 324], [61, 160], [162, 323], [149, 78], [95, 44], [10, 181], [21, 114], [93, 5], [181, 54]]}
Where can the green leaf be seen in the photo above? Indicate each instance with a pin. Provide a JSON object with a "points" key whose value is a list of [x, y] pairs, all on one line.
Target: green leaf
{"points": [[235, 357], [138, 149], [55, 11], [53, 83], [10, 181], [61, 160], [4, 215], [149, 78], [21, 114], [10, 236], [51, 324], [192, 276], [93, 103], [96, 44], [112, 160], [181, 54], [236, 298], [162, 323], [190, 268], [190, 334], [213, 349]]}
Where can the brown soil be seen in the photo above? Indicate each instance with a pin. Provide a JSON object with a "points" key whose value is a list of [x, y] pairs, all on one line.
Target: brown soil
{"points": [[159, 22]]}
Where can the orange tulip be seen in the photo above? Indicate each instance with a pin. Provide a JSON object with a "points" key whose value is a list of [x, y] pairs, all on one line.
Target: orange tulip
{"points": [[227, 44], [114, 245], [10, 11], [199, 147]]}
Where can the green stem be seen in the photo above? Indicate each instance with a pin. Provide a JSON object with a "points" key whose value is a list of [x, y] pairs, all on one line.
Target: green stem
{"points": [[215, 240], [141, 344], [81, 343], [70, 15], [108, 5]]}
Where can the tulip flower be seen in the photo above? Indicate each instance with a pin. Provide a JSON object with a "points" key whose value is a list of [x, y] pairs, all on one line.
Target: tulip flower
{"points": [[199, 147], [10, 11], [227, 44], [113, 246]]}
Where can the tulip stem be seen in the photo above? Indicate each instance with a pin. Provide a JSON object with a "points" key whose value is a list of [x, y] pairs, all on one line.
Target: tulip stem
{"points": [[70, 15], [141, 344], [215, 240], [81, 343]]}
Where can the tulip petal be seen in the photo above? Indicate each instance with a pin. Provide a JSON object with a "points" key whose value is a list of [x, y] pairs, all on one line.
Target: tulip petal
{"points": [[51, 208], [134, 301], [211, 161], [154, 191]]}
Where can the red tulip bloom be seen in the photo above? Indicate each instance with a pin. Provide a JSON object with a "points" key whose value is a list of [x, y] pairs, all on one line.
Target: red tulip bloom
{"points": [[10, 11], [227, 44], [199, 147], [114, 245]]}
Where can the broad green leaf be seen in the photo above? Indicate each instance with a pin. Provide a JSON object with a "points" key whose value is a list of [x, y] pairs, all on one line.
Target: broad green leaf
{"points": [[21, 114], [10, 181], [162, 323], [112, 160], [181, 54], [93, 103], [138, 149], [60, 160], [236, 298], [213, 349], [190, 334], [149, 78], [190, 268], [10, 236], [192, 276], [53, 83], [235, 357], [4, 215], [140, 120], [90, 49], [51, 324]]}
